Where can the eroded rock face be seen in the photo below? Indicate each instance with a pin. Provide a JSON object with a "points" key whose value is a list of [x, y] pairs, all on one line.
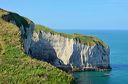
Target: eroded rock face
{"points": [[64, 52]]}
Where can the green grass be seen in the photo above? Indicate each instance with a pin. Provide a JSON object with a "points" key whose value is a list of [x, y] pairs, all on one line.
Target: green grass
{"points": [[1, 47], [11, 16], [88, 40], [44, 28], [17, 67]]}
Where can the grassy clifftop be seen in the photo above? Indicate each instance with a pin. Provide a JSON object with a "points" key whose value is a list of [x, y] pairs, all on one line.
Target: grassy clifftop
{"points": [[15, 66], [88, 40]]}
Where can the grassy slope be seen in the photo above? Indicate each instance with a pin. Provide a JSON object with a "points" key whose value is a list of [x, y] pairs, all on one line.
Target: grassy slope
{"points": [[18, 68], [88, 40]]}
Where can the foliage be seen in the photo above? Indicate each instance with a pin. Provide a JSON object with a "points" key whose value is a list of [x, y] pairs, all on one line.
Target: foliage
{"points": [[88, 40]]}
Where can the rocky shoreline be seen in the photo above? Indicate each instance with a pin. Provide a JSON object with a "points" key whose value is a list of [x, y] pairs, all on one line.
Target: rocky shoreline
{"points": [[70, 69]]}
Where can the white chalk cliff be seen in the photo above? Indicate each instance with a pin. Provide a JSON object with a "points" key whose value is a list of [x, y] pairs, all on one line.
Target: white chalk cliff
{"points": [[63, 51], [69, 52]]}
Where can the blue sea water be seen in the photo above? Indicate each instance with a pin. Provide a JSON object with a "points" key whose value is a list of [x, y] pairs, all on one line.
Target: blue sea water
{"points": [[118, 42]]}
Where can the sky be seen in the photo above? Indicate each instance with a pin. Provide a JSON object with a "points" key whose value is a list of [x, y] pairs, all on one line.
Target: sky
{"points": [[73, 14]]}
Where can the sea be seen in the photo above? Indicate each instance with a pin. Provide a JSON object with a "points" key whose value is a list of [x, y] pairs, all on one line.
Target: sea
{"points": [[118, 43]]}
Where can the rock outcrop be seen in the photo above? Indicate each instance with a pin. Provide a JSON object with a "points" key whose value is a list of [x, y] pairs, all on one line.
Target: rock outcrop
{"points": [[66, 52], [61, 51]]}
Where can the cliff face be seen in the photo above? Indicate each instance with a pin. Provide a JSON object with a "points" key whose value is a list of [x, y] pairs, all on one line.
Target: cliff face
{"points": [[67, 52], [62, 51]]}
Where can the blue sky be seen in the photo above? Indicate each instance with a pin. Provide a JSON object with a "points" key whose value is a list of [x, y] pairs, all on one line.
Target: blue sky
{"points": [[73, 14]]}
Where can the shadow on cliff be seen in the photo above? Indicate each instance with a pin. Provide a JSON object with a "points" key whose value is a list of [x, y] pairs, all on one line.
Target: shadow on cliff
{"points": [[42, 50], [75, 56], [83, 59], [94, 57], [19, 20]]}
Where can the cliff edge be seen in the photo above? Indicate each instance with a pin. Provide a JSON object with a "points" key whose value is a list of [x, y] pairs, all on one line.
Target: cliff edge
{"points": [[74, 52]]}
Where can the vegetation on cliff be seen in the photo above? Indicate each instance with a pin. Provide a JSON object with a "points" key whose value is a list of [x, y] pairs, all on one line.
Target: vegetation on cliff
{"points": [[17, 67], [88, 40]]}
